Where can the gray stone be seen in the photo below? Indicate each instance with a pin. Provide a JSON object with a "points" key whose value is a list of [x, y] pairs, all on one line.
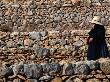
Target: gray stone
{"points": [[62, 42], [19, 44], [53, 42], [42, 52], [92, 64], [6, 70], [67, 5], [68, 69], [38, 21], [81, 68], [51, 68], [78, 43], [11, 44], [44, 33], [46, 77], [33, 80], [58, 19], [2, 43], [69, 80], [35, 35], [18, 68], [33, 70], [76, 19], [52, 51]]}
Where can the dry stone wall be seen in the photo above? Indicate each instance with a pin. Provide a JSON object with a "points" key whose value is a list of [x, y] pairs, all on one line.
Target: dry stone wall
{"points": [[49, 56], [82, 71], [40, 41], [24, 15]]}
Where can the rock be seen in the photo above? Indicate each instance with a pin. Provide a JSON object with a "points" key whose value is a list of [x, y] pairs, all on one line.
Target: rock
{"points": [[62, 42], [35, 35], [69, 80], [92, 64], [11, 44], [14, 34], [77, 80], [2, 43], [57, 19], [52, 51], [78, 43], [46, 77], [38, 21], [53, 42], [19, 44], [6, 70], [42, 52], [82, 68], [67, 5], [105, 66], [100, 76], [76, 19], [108, 76], [106, 80], [27, 42], [93, 80], [44, 33], [33, 70], [51, 68], [68, 69], [32, 80], [32, 57], [56, 79], [18, 68]]}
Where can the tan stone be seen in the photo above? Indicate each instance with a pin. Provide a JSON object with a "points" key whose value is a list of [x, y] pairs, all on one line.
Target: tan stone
{"points": [[77, 80], [100, 76], [93, 80], [106, 80], [57, 79], [26, 42]]}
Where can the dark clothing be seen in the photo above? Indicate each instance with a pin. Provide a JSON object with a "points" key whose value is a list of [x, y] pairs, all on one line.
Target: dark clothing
{"points": [[98, 47]]}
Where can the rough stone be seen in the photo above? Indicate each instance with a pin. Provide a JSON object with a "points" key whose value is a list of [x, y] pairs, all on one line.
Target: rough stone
{"points": [[93, 80], [32, 80], [51, 68], [42, 52], [56, 79], [77, 80], [82, 68], [33, 70], [93, 65], [104, 66], [68, 69], [35, 35], [6, 70]]}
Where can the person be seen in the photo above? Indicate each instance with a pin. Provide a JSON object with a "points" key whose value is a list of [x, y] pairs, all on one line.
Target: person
{"points": [[97, 47]]}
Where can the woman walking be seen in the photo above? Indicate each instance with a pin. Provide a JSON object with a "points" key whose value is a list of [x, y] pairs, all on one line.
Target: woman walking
{"points": [[97, 47]]}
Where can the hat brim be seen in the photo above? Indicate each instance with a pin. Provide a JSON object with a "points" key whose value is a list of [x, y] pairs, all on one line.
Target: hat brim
{"points": [[96, 22]]}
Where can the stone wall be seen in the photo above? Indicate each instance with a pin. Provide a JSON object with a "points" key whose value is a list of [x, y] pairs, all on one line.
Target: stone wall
{"points": [[82, 71], [51, 49], [24, 15], [44, 45]]}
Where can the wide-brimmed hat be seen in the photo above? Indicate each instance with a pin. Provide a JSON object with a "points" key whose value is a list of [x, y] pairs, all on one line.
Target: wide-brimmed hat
{"points": [[96, 20]]}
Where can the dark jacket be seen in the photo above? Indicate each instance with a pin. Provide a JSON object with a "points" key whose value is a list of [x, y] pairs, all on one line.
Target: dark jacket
{"points": [[98, 47]]}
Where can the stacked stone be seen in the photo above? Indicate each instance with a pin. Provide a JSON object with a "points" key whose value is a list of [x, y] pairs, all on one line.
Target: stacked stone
{"points": [[44, 46], [82, 71], [51, 14]]}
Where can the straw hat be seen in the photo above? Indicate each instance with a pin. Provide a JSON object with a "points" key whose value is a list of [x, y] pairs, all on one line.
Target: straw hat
{"points": [[96, 20]]}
